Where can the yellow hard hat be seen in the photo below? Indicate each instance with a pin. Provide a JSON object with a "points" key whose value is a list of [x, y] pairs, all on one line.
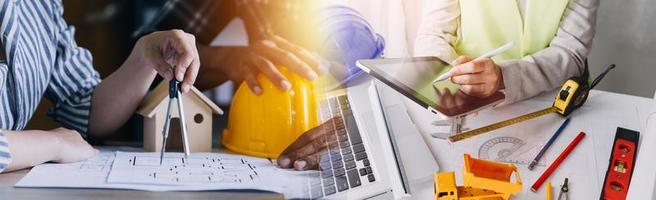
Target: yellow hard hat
{"points": [[264, 125]]}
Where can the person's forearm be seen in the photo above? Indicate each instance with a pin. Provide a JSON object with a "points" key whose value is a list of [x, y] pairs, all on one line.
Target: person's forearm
{"points": [[30, 148], [212, 60], [565, 57], [118, 96]]}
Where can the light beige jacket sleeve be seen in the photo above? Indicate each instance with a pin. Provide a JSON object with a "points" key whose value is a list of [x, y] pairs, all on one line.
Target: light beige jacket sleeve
{"points": [[542, 71]]}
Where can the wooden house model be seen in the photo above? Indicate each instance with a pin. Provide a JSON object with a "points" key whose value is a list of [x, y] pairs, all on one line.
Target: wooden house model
{"points": [[199, 112]]}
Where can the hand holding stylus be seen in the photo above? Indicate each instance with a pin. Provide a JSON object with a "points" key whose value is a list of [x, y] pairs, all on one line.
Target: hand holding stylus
{"points": [[479, 77], [490, 54]]}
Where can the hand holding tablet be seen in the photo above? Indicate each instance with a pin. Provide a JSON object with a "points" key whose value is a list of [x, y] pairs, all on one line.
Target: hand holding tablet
{"points": [[413, 77]]}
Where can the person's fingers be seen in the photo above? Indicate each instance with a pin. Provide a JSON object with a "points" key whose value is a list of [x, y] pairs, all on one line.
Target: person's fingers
{"points": [[284, 162], [186, 57], [305, 55], [469, 79], [461, 60], [469, 68], [448, 98], [270, 70], [309, 162], [467, 89], [89, 152], [286, 58], [318, 145], [190, 76], [252, 83], [161, 66], [324, 130], [474, 90], [443, 101], [438, 94], [183, 53], [327, 127], [182, 62], [291, 155]]}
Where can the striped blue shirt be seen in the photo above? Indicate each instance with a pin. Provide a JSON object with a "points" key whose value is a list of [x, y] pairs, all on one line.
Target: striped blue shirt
{"points": [[42, 60]]}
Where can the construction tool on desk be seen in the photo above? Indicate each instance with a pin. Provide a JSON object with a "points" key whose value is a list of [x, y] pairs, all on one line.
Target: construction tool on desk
{"points": [[620, 168], [482, 179], [571, 96], [549, 195], [174, 93], [564, 190], [557, 162], [548, 144]]}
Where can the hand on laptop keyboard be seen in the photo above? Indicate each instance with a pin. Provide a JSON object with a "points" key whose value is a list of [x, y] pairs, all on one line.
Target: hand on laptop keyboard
{"points": [[307, 151]]}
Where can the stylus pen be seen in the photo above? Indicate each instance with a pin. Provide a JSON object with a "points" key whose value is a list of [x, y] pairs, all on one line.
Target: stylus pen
{"points": [[557, 162], [490, 54], [549, 143]]}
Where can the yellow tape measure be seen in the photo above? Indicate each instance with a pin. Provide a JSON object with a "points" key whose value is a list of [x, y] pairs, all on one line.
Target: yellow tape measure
{"points": [[501, 124], [571, 96]]}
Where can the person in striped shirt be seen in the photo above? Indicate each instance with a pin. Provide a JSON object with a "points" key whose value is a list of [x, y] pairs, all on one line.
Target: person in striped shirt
{"points": [[40, 58]]}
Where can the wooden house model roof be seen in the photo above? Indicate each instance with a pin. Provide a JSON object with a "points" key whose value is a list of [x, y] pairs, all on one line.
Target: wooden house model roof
{"points": [[161, 92]]}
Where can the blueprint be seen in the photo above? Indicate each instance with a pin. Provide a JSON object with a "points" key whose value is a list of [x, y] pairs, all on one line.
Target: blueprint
{"points": [[198, 172], [176, 169]]}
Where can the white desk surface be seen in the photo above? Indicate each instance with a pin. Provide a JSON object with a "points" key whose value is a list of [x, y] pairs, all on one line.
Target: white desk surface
{"points": [[599, 117], [644, 179]]}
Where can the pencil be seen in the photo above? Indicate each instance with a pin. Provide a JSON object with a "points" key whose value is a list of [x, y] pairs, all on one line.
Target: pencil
{"points": [[549, 193], [557, 162], [548, 144]]}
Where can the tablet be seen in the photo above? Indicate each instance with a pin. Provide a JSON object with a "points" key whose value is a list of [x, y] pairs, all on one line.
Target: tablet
{"points": [[413, 77]]}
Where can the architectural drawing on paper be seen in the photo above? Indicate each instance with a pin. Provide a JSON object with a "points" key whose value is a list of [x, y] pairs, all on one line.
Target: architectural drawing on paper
{"points": [[100, 163], [178, 170]]}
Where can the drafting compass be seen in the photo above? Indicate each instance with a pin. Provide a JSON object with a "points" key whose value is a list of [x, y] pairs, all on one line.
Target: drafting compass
{"points": [[174, 93], [564, 190]]}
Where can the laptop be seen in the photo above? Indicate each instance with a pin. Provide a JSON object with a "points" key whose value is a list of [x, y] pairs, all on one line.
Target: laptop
{"points": [[361, 162]]}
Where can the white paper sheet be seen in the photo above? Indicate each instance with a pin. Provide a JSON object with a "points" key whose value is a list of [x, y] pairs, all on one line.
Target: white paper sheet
{"points": [[120, 170], [91, 173], [201, 168]]}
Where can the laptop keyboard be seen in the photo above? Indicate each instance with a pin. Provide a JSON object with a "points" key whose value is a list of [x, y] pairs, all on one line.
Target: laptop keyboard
{"points": [[346, 164]]}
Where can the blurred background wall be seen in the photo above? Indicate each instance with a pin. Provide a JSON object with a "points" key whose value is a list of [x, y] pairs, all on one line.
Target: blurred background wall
{"points": [[626, 36]]}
